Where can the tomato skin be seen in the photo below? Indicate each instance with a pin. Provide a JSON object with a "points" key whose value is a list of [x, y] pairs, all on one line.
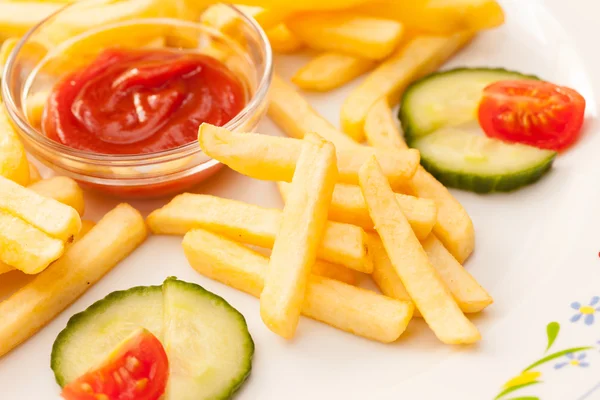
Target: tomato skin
{"points": [[137, 370], [535, 113]]}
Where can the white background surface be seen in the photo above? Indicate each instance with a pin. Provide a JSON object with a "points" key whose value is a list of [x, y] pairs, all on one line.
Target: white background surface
{"points": [[537, 251]]}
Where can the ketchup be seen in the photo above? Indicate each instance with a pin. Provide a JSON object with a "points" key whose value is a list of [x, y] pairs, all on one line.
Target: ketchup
{"points": [[141, 101]]}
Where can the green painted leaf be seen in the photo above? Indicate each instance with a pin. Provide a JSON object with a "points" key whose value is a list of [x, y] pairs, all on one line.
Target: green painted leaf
{"points": [[556, 355], [552, 331], [525, 398], [512, 389]]}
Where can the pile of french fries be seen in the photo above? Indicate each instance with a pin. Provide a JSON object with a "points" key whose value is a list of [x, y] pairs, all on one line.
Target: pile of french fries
{"points": [[341, 217], [416, 234], [42, 234], [350, 209]]}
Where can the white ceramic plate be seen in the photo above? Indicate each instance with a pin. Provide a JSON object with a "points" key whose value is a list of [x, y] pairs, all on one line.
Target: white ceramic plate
{"points": [[537, 254]]}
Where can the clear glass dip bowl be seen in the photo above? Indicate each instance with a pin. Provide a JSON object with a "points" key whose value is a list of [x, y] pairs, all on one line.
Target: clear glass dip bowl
{"points": [[73, 37]]}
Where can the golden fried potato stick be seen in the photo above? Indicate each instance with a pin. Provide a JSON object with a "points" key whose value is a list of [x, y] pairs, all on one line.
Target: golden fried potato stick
{"points": [[418, 57], [442, 17], [301, 229], [283, 40], [16, 18], [334, 271], [35, 107], [117, 234], [381, 128], [426, 288], [66, 191], [469, 295], [304, 5], [348, 206], [342, 244], [46, 214], [13, 160], [34, 174], [226, 20], [274, 158], [331, 70], [62, 189], [295, 116], [86, 225], [348, 33], [5, 49], [453, 226], [25, 247], [342, 306]]}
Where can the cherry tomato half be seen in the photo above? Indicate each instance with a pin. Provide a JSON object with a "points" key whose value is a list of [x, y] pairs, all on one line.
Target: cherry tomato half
{"points": [[138, 369], [531, 112]]}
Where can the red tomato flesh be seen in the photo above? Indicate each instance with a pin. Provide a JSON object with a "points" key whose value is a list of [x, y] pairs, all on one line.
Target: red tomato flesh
{"points": [[138, 369], [531, 112]]}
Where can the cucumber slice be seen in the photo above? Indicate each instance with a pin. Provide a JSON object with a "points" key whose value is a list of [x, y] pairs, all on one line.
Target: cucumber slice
{"points": [[439, 118], [207, 341], [95, 332], [447, 98], [463, 157], [210, 350]]}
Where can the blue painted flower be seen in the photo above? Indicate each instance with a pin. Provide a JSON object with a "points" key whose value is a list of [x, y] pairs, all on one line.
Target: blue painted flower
{"points": [[586, 311], [573, 360]]}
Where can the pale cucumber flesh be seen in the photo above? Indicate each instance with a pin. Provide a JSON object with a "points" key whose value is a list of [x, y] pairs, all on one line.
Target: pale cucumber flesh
{"points": [[464, 158], [439, 118], [92, 334], [207, 341], [447, 98], [210, 350]]}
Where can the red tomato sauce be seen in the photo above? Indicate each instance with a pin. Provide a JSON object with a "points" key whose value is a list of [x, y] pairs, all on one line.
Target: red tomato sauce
{"points": [[141, 101]]}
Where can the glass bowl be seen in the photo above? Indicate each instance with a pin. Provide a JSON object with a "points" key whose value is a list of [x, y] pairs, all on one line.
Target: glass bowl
{"points": [[72, 37]]}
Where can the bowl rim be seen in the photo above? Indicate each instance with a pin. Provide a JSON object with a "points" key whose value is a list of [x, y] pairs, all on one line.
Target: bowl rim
{"points": [[128, 160]]}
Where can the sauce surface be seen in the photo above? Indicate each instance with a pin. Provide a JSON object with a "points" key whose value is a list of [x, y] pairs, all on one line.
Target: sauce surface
{"points": [[141, 101]]}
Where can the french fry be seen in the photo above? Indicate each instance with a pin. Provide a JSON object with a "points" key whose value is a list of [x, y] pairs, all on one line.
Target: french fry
{"points": [[35, 107], [419, 56], [453, 226], [330, 270], [86, 225], [25, 247], [116, 235], [48, 215], [62, 189], [331, 70], [442, 17], [295, 116], [384, 274], [34, 174], [304, 5], [348, 206], [227, 20], [342, 306], [13, 160], [353, 34], [342, 243], [431, 296], [5, 49], [469, 295], [16, 18], [4, 268], [381, 130], [302, 225], [67, 192], [335, 272], [274, 158], [283, 40]]}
